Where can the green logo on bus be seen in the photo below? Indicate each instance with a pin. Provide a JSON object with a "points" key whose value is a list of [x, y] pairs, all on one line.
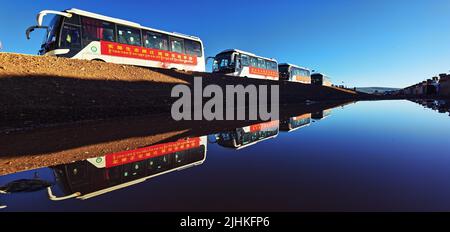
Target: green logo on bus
{"points": [[94, 49]]}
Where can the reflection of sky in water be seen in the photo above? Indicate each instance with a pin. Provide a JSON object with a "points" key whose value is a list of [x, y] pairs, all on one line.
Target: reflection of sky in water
{"points": [[386, 155]]}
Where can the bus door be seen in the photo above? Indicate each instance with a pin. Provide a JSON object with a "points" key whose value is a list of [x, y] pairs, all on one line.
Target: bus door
{"points": [[238, 64]]}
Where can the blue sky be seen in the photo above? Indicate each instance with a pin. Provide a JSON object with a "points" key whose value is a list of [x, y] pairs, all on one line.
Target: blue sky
{"points": [[361, 43]]}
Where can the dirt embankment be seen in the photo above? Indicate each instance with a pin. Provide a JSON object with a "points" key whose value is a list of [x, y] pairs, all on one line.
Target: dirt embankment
{"points": [[37, 90]]}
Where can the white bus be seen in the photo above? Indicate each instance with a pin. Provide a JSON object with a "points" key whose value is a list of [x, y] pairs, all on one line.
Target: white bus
{"points": [[80, 34], [235, 62], [320, 79], [294, 73]]}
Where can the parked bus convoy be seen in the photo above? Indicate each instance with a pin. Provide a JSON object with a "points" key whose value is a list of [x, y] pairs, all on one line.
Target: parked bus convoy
{"points": [[79, 34]]}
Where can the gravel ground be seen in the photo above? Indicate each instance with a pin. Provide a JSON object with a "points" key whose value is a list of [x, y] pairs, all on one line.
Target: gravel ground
{"points": [[17, 65]]}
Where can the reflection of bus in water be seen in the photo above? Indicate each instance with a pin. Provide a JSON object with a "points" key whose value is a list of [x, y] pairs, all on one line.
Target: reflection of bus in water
{"points": [[294, 123], [245, 136], [96, 176], [321, 114]]}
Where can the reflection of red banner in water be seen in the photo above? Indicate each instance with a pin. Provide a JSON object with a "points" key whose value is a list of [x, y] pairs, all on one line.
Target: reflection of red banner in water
{"points": [[150, 152], [264, 125], [264, 72], [303, 116], [129, 51]]}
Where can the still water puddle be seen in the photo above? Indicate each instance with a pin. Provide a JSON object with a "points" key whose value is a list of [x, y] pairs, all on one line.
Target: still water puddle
{"points": [[364, 156]]}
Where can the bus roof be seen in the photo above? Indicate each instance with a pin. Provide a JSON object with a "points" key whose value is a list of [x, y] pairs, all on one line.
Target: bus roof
{"points": [[293, 65], [128, 23], [248, 53]]}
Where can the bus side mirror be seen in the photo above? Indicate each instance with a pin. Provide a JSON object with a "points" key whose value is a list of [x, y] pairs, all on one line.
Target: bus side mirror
{"points": [[29, 30]]}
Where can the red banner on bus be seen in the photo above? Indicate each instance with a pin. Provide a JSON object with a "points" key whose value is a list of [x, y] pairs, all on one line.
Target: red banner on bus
{"points": [[125, 157], [129, 51], [301, 79], [263, 72]]}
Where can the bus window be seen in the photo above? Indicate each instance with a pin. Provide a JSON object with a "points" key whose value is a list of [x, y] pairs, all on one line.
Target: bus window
{"points": [[78, 173], [158, 163], [306, 73], [156, 40], [295, 72], [133, 170], [261, 63], [224, 63], [244, 60], [271, 65], [70, 37], [253, 62], [113, 174], [268, 65], [95, 30], [193, 48], [128, 35], [176, 45]]}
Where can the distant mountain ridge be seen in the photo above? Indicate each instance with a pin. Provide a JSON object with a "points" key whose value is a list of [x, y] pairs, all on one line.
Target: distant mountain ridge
{"points": [[375, 89]]}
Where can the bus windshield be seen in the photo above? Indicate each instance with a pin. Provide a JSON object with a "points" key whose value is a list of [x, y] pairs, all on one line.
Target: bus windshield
{"points": [[223, 62], [50, 38], [284, 72]]}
